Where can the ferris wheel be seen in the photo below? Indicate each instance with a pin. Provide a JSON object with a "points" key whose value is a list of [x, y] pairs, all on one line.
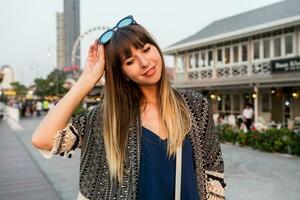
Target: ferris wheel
{"points": [[79, 38]]}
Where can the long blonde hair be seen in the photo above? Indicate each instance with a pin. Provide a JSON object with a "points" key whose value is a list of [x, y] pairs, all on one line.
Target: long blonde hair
{"points": [[122, 99]]}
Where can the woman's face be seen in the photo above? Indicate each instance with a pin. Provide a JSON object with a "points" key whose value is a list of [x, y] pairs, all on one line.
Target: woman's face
{"points": [[144, 66]]}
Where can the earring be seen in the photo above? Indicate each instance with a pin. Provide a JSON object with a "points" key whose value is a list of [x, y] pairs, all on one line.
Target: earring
{"points": [[127, 79]]}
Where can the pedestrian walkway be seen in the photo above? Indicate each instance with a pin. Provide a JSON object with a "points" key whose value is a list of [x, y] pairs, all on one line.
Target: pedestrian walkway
{"points": [[20, 176], [63, 174]]}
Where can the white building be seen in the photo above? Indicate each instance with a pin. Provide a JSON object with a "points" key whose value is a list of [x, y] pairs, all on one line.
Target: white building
{"points": [[252, 57], [8, 77]]}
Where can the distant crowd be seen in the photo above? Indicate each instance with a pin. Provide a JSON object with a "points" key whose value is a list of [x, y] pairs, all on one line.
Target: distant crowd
{"points": [[30, 108]]}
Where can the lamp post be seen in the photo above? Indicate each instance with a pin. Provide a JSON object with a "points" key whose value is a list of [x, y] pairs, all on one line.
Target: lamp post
{"points": [[49, 54], [35, 66]]}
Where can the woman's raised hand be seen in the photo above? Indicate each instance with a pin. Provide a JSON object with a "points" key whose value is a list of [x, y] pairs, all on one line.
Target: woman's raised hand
{"points": [[94, 66]]}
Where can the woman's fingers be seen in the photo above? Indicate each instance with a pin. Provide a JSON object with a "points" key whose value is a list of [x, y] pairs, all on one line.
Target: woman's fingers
{"points": [[96, 56], [95, 49], [91, 51], [100, 52]]}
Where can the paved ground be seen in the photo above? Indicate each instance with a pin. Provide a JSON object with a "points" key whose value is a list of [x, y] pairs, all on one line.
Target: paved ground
{"points": [[250, 175], [20, 177], [62, 173], [253, 175]]}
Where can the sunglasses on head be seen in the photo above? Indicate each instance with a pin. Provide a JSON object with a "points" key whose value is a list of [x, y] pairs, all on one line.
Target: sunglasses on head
{"points": [[107, 35]]}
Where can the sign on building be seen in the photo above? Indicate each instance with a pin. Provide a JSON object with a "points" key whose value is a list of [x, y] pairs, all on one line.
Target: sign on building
{"points": [[285, 65]]}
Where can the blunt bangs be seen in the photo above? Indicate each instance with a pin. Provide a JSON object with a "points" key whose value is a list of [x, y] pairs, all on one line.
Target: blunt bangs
{"points": [[132, 36]]}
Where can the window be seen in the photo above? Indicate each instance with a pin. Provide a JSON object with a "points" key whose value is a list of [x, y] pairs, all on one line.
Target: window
{"points": [[210, 58], [265, 98], [220, 59], [180, 63], [266, 48], [220, 103], [227, 102], [247, 99], [288, 44], [197, 60], [235, 54], [236, 102], [244, 52], [277, 47], [256, 50], [227, 55], [202, 59], [191, 61]]}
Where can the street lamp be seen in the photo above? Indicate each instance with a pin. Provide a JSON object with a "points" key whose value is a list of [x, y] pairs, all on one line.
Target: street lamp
{"points": [[295, 94], [35, 66], [212, 96], [49, 54]]}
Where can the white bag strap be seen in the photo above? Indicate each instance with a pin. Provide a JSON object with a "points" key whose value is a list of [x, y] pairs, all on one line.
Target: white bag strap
{"points": [[178, 173]]}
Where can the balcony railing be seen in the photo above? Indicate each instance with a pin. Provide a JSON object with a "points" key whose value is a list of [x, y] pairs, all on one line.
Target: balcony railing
{"points": [[226, 72]]}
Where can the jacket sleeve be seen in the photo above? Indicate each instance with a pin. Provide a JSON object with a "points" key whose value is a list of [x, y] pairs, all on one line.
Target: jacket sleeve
{"points": [[68, 139], [213, 161]]}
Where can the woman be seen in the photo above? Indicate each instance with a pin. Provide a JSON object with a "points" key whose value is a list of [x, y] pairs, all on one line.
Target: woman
{"points": [[129, 141]]}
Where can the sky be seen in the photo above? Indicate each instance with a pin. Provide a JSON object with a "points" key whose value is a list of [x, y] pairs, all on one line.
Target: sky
{"points": [[28, 27]]}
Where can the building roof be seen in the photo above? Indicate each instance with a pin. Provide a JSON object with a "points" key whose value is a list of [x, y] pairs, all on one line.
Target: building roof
{"points": [[264, 15]]}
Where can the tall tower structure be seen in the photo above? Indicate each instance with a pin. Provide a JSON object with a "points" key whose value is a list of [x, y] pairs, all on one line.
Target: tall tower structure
{"points": [[60, 41], [71, 23]]}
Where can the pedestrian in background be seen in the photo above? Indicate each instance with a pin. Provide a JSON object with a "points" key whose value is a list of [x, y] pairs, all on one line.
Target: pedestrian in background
{"points": [[248, 116], [39, 108], [45, 105]]}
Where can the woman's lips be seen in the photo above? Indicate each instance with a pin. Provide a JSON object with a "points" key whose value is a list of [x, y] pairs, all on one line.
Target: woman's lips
{"points": [[150, 72]]}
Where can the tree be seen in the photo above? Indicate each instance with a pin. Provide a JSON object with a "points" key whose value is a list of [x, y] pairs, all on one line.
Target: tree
{"points": [[20, 89], [52, 85], [42, 87]]}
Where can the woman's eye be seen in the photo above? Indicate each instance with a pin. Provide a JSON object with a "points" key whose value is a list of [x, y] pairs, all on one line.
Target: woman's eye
{"points": [[129, 62], [147, 49]]}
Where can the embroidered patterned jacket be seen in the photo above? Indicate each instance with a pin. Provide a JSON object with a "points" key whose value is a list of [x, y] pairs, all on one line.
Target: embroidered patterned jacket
{"points": [[85, 132]]}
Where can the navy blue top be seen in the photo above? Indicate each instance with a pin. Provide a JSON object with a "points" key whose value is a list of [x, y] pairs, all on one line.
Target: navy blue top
{"points": [[157, 172]]}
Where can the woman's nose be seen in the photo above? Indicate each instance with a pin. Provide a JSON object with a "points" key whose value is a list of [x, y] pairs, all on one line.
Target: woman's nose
{"points": [[144, 61]]}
